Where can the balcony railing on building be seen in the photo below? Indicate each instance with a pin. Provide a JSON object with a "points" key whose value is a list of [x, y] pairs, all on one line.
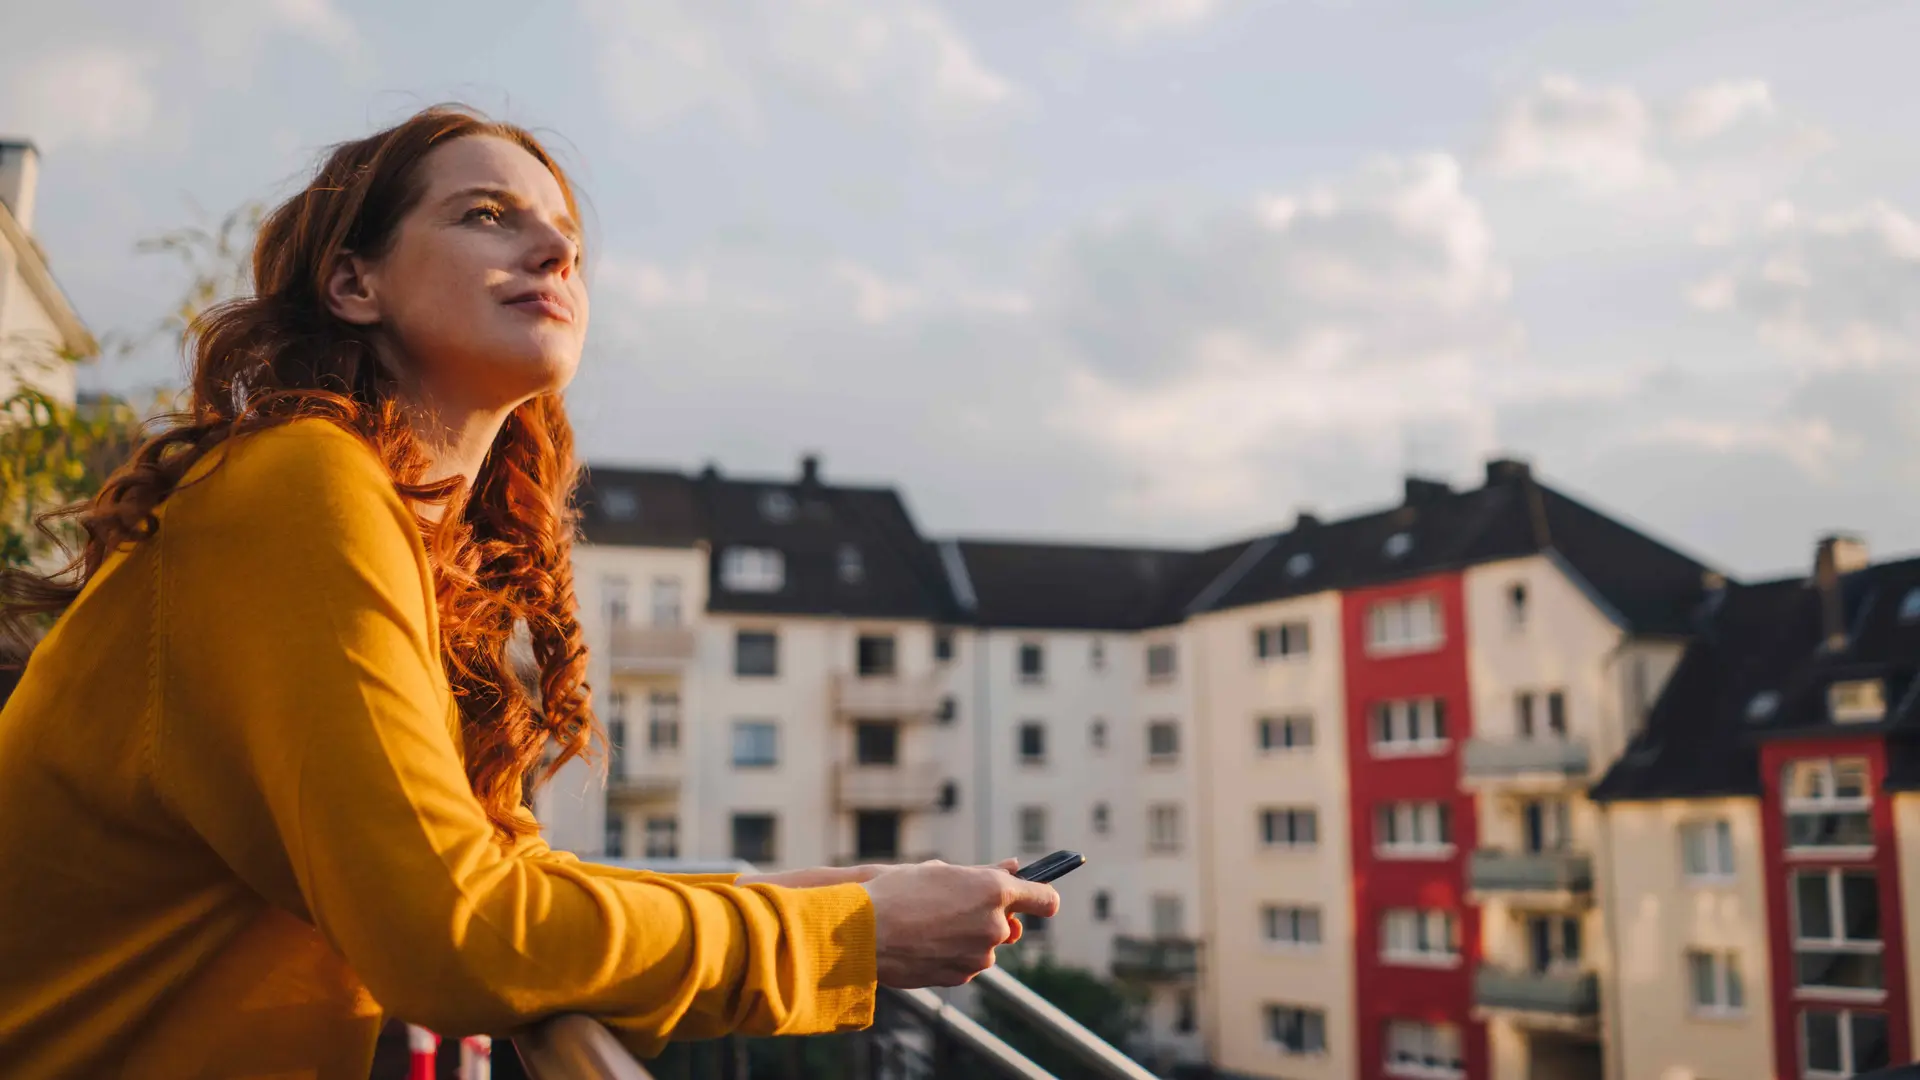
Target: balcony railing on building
{"points": [[636, 777], [1534, 764], [1155, 959], [901, 697], [1556, 1000], [913, 786], [639, 650], [1548, 879]]}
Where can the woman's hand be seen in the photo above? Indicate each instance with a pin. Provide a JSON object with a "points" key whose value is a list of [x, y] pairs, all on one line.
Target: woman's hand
{"points": [[815, 877], [938, 925]]}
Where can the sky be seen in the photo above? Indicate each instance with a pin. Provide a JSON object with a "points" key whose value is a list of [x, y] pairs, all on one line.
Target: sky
{"points": [[1145, 271]]}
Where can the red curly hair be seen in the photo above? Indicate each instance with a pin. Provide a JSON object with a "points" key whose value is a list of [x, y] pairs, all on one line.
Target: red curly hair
{"points": [[500, 552]]}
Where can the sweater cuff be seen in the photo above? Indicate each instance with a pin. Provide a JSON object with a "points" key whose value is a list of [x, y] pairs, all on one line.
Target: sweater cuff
{"points": [[836, 950]]}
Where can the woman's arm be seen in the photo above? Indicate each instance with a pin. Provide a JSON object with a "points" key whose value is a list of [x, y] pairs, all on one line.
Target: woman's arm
{"points": [[301, 727]]}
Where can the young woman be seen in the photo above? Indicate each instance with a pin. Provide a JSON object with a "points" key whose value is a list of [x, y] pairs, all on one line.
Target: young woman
{"points": [[263, 778]]}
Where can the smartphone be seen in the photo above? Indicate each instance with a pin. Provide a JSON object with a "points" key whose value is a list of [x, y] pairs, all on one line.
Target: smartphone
{"points": [[1051, 867]]}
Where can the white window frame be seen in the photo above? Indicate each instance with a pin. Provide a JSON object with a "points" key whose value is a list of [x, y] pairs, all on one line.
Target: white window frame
{"points": [[740, 728], [1715, 837], [613, 836], [1848, 1068], [1288, 728], [1169, 913], [1291, 640], [1164, 828], [1408, 727], [1825, 800], [1300, 1015], [1032, 839], [1857, 701], [1420, 937], [1292, 815], [1837, 916], [659, 826], [1727, 985], [1435, 1049], [1423, 818], [753, 569], [1291, 927], [667, 602], [1411, 624], [618, 604]]}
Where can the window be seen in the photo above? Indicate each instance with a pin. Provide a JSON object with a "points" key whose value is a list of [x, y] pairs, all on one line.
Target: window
{"points": [[1545, 825], [1163, 828], [873, 655], [753, 570], [1553, 944], [949, 710], [949, 795], [1517, 605], [1097, 655], [1102, 818], [1185, 1013], [1284, 733], [876, 742], [876, 834], [1163, 741], [1397, 545], [1838, 1043], [1102, 906], [620, 504], [1417, 726], [1160, 662], [1296, 1030], [663, 721], [666, 602], [942, 645], [1762, 706], [1289, 827], [1414, 829], [614, 846], [663, 838], [1538, 715], [617, 704], [756, 744], [1401, 626], [617, 749], [1417, 936], [1290, 926], [618, 607], [756, 654], [1424, 1050], [1033, 662], [1169, 916], [1706, 851], [1828, 804], [1033, 828], [1033, 743], [1837, 943], [754, 838], [853, 569], [1715, 981], [1299, 564], [1277, 642], [776, 506], [1097, 734], [1910, 606], [1857, 701]]}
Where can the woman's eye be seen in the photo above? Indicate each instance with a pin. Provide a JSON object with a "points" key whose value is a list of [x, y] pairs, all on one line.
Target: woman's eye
{"points": [[484, 213]]}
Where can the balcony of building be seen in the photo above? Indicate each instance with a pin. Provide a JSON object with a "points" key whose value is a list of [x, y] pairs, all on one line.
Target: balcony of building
{"points": [[1554, 763], [643, 777], [644, 650], [1542, 1000], [1155, 959], [889, 696], [906, 786], [1546, 880]]}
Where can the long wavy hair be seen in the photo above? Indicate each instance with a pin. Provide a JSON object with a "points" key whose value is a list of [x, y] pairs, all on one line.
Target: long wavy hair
{"points": [[500, 552]]}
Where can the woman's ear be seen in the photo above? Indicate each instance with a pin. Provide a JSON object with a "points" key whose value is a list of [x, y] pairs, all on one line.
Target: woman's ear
{"points": [[350, 292]]}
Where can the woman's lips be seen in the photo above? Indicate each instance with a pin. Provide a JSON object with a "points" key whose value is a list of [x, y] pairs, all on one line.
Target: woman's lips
{"points": [[544, 306]]}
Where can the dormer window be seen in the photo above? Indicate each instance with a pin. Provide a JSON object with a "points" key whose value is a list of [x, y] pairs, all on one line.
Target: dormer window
{"points": [[753, 570], [1299, 565], [776, 506], [853, 570], [619, 504], [1910, 606], [1398, 545], [1856, 701], [1762, 706]]}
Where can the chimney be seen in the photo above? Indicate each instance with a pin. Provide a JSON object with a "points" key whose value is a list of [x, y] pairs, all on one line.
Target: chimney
{"points": [[810, 469], [710, 471], [1420, 491], [1305, 519], [19, 170], [1507, 470], [1837, 556]]}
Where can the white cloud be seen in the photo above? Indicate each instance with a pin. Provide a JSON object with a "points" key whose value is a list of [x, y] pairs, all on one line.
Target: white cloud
{"points": [[1129, 19], [1713, 109], [1601, 138], [661, 60], [85, 95]]}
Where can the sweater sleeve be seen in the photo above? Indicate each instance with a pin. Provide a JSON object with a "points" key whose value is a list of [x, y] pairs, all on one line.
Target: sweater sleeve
{"points": [[300, 727]]}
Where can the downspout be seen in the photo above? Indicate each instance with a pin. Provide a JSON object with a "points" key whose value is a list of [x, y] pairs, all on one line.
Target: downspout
{"points": [[1203, 806], [1612, 1037], [983, 738]]}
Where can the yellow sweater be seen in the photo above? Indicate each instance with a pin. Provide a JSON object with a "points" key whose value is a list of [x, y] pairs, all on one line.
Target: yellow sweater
{"points": [[238, 829]]}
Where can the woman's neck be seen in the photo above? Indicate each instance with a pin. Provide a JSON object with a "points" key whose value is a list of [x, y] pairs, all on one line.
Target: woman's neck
{"points": [[456, 441]]}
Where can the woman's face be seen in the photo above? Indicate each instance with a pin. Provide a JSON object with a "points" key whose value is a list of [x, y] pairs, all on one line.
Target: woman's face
{"points": [[479, 291]]}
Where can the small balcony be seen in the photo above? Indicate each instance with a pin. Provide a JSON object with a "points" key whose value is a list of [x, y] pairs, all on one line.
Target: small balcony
{"points": [[887, 697], [1168, 959], [887, 787], [1559, 1001], [1550, 764], [635, 778], [1538, 879], [641, 650]]}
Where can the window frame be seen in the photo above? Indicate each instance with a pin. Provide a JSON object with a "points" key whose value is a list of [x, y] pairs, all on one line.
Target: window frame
{"points": [[1442, 1041], [1388, 821], [1295, 918], [651, 831], [1305, 1020], [1287, 725], [1163, 756], [1826, 804], [1162, 839], [741, 638], [1292, 815], [1288, 640], [1727, 983], [1717, 839], [745, 568], [1393, 629], [1031, 840], [1020, 753], [1387, 718], [740, 727], [1836, 877], [1850, 1064], [1425, 927], [1159, 673]]}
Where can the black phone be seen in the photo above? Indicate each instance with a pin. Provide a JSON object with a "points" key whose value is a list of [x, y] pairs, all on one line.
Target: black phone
{"points": [[1051, 867]]}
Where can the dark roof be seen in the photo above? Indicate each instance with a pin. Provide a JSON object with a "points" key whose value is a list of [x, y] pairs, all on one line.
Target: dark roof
{"points": [[640, 508], [1073, 586], [1765, 643]]}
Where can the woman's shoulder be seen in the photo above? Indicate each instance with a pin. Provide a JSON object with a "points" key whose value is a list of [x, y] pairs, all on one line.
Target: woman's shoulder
{"points": [[297, 475]]}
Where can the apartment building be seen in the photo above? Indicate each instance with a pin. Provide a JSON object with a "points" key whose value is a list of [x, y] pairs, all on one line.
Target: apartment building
{"points": [[1771, 809], [39, 330]]}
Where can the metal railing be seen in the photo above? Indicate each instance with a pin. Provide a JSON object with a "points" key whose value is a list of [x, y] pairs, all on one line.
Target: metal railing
{"points": [[1487, 759], [951, 1044], [1491, 870], [1572, 993], [1155, 958]]}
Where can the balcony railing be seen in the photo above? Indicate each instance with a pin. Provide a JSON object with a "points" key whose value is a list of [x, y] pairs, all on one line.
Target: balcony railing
{"points": [[917, 1031], [1560, 874], [1155, 959], [1545, 762], [913, 786], [887, 696], [636, 777], [651, 648], [1568, 996]]}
